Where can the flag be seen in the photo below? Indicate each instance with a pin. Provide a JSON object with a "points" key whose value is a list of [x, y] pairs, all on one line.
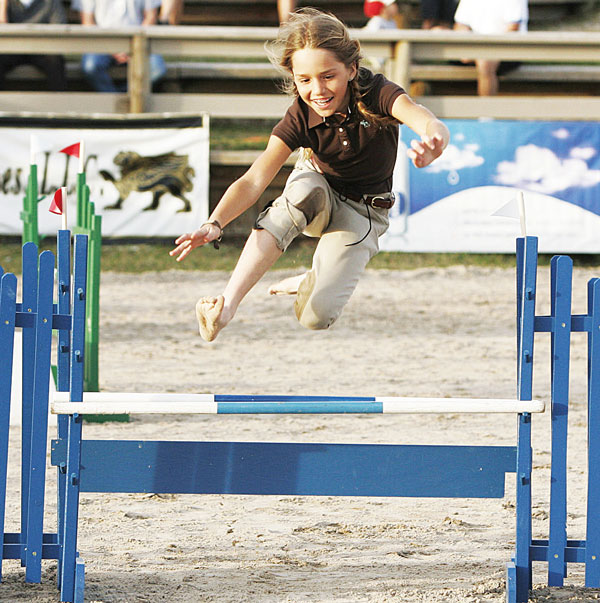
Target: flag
{"points": [[56, 205], [515, 208], [508, 210], [72, 149]]}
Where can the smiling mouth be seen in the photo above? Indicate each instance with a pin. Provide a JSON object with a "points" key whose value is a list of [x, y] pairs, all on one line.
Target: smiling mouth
{"points": [[322, 102]]}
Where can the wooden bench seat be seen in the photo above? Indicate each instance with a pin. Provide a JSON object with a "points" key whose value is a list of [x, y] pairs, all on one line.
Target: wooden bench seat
{"points": [[523, 73]]}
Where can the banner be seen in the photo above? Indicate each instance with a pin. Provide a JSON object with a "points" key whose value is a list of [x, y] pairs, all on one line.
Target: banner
{"points": [[147, 176], [448, 206]]}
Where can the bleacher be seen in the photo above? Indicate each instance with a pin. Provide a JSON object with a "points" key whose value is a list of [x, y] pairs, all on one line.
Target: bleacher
{"points": [[437, 77]]}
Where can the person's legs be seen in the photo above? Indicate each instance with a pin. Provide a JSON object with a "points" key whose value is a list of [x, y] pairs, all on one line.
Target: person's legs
{"points": [[259, 254], [338, 263], [304, 204], [487, 78], [95, 70], [158, 67]]}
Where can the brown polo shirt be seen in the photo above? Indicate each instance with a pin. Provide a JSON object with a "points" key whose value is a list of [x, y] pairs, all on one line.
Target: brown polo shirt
{"points": [[352, 153]]}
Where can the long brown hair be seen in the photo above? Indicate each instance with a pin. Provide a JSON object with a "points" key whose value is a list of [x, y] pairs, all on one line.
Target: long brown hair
{"points": [[312, 28]]}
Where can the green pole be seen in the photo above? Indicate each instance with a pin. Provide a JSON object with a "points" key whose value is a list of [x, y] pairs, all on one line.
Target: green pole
{"points": [[29, 215], [93, 306], [81, 198]]}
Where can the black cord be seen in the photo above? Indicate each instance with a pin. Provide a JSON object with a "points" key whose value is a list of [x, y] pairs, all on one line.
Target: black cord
{"points": [[368, 231]]}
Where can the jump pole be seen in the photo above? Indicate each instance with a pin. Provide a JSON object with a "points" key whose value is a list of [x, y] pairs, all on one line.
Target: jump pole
{"points": [[160, 403]]}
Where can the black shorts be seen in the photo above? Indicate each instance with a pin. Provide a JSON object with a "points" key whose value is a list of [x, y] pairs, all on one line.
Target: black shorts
{"points": [[439, 10]]}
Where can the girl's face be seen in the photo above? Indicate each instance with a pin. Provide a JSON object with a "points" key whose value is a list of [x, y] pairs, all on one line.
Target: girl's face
{"points": [[322, 80]]}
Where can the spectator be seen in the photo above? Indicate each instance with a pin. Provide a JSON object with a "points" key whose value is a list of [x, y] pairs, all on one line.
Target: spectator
{"points": [[116, 13], [382, 13], [438, 14], [284, 9], [491, 17], [34, 11], [170, 12]]}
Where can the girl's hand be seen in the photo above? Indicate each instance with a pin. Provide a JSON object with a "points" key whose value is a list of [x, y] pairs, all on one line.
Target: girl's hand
{"points": [[190, 240], [424, 151]]}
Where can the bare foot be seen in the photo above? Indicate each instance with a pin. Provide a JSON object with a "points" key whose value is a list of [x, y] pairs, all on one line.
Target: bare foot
{"points": [[288, 286], [208, 312]]}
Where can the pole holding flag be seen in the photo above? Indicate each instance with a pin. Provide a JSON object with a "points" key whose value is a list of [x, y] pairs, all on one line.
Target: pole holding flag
{"points": [[58, 205], [522, 214], [33, 147]]}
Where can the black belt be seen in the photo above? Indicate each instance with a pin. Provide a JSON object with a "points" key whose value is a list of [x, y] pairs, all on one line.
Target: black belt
{"points": [[382, 201]]}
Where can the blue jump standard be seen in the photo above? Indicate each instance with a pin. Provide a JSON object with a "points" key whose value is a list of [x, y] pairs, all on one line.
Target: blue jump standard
{"points": [[280, 468]]}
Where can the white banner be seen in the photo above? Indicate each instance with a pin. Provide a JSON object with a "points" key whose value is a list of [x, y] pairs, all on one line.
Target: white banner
{"points": [[146, 177]]}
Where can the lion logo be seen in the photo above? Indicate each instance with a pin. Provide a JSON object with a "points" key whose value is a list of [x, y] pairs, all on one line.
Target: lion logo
{"points": [[168, 173]]}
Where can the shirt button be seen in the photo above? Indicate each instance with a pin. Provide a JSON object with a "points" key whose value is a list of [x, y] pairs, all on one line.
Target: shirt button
{"points": [[345, 142], [341, 129]]}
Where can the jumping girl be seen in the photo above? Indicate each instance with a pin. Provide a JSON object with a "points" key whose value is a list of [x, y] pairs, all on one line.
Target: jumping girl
{"points": [[345, 120]]}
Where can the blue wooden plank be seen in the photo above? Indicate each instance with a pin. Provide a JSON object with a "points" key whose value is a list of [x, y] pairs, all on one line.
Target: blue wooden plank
{"points": [[63, 367], [78, 595], [574, 552], [526, 294], [68, 578], [39, 433], [292, 469], [29, 306], [511, 582], [27, 320], [580, 323], [63, 307], [527, 255], [8, 300], [561, 271], [592, 553]]}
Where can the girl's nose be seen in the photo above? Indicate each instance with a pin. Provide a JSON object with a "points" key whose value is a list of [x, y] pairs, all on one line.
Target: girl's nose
{"points": [[318, 87]]}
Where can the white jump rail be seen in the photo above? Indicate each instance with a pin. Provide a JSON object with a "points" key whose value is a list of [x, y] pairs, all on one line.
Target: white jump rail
{"points": [[166, 403]]}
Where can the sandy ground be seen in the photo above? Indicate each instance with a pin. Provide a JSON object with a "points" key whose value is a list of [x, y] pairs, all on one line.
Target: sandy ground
{"points": [[439, 332]]}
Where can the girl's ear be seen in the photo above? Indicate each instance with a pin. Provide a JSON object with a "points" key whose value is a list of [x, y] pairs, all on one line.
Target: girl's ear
{"points": [[353, 72]]}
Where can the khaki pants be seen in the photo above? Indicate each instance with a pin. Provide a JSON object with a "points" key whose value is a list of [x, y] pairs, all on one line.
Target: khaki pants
{"points": [[309, 205]]}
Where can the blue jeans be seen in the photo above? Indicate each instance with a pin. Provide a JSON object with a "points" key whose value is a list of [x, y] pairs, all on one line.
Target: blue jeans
{"points": [[96, 71]]}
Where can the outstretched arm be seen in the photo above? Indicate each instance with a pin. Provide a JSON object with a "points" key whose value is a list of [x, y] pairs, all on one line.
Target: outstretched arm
{"points": [[241, 195], [434, 133]]}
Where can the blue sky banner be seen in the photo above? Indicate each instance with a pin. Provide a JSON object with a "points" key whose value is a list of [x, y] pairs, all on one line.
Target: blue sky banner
{"points": [[448, 206]]}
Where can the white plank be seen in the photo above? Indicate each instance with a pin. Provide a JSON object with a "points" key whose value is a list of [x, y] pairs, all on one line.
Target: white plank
{"points": [[459, 405], [165, 403]]}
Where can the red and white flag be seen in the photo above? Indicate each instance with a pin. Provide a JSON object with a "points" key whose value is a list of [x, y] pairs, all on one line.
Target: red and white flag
{"points": [[76, 150], [58, 205], [72, 149]]}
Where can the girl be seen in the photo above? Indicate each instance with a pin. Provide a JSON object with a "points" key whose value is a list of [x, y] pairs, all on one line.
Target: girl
{"points": [[346, 121]]}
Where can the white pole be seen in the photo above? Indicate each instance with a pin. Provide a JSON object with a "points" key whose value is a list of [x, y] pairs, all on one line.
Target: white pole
{"points": [[63, 190], [522, 214], [32, 145], [81, 156]]}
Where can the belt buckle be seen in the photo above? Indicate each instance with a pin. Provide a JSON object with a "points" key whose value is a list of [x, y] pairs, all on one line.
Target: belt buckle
{"points": [[387, 199]]}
